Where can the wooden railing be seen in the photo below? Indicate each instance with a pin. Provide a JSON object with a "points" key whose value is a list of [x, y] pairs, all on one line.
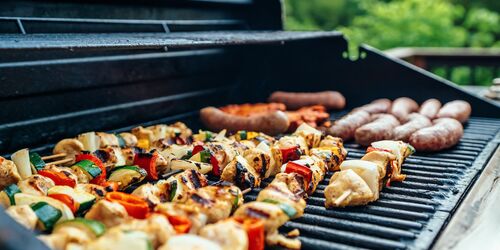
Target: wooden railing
{"points": [[444, 61]]}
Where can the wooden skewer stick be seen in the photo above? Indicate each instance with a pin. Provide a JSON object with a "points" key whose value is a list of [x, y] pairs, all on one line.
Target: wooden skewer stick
{"points": [[246, 191], [60, 161], [48, 157], [344, 196]]}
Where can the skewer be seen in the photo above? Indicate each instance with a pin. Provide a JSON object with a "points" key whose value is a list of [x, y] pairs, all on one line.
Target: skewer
{"points": [[48, 157], [246, 191], [60, 161], [344, 196]]}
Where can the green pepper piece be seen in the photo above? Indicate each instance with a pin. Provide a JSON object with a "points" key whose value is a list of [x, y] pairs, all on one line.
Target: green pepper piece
{"points": [[36, 161]]}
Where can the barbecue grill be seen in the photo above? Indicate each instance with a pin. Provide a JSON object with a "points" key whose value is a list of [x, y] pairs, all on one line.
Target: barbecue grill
{"points": [[70, 67]]}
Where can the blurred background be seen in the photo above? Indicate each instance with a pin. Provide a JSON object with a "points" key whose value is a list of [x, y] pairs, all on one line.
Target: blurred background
{"points": [[456, 39]]}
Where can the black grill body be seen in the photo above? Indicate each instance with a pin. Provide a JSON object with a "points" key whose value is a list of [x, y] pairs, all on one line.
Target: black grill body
{"points": [[60, 75]]}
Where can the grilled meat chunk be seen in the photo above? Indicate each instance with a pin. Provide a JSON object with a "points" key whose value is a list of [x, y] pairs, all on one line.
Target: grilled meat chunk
{"points": [[109, 213], [217, 202], [272, 215], [239, 172], [347, 188], [177, 187], [8, 173], [278, 192], [24, 215], [36, 185], [229, 234]]}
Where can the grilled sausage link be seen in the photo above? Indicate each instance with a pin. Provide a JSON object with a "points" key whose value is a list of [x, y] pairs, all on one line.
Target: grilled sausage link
{"points": [[445, 133], [459, 110], [379, 129], [347, 125], [272, 123], [296, 100], [415, 122], [430, 108], [402, 107], [377, 106]]}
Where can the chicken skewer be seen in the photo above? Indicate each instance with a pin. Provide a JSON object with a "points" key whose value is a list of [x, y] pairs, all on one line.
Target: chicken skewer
{"points": [[360, 181]]}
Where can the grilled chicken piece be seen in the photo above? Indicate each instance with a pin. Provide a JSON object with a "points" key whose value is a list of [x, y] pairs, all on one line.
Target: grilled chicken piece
{"points": [[368, 171], [63, 238], [190, 242], [400, 150], [70, 147], [295, 183], [112, 156], [107, 140], [24, 215], [175, 151], [129, 138], [156, 226], [198, 220], [332, 156], [36, 185], [383, 160], [116, 238], [331, 141], [229, 234], [149, 193], [292, 141], [278, 192], [258, 160], [347, 188], [275, 158], [217, 202], [311, 135], [276, 239], [143, 134], [183, 183], [272, 215], [8, 173], [316, 165], [65, 170], [98, 191], [109, 213], [223, 152], [239, 172]]}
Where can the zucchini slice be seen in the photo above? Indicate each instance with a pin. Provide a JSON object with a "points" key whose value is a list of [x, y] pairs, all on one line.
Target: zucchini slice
{"points": [[29, 199], [36, 161], [47, 215], [7, 195], [22, 160], [127, 175], [92, 227], [88, 168], [84, 199]]}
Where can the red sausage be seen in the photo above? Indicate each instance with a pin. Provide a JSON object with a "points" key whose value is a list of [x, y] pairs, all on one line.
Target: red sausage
{"points": [[296, 100], [377, 106], [430, 108], [271, 123], [415, 122], [402, 107], [459, 110], [379, 129], [445, 133], [345, 126]]}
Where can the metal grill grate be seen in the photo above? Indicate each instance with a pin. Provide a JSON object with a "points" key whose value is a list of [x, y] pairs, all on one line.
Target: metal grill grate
{"points": [[410, 214]]}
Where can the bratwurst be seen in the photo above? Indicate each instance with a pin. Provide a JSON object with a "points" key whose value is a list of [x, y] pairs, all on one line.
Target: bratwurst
{"points": [[402, 107], [347, 125], [271, 123], [459, 110], [415, 122], [430, 108], [445, 133], [377, 106], [379, 129], [295, 100]]}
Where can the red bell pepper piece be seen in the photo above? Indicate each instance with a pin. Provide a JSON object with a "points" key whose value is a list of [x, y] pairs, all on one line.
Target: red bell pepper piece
{"points": [[255, 232], [59, 178], [147, 161], [290, 154], [100, 178], [180, 223], [110, 186], [135, 206], [215, 166], [197, 149], [292, 167], [67, 200]]}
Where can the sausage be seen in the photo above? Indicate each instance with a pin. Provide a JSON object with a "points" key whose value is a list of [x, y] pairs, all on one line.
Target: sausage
{"points": [[345, 126], [445, 133], [379, 129], [458, 109], [296, 100], [377, 106], [415, 122], [430, 108], [271, 123], [402, 107]]}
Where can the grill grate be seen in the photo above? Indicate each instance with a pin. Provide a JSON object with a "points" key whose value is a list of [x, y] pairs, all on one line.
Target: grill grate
{"points": [[408, 215]]}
